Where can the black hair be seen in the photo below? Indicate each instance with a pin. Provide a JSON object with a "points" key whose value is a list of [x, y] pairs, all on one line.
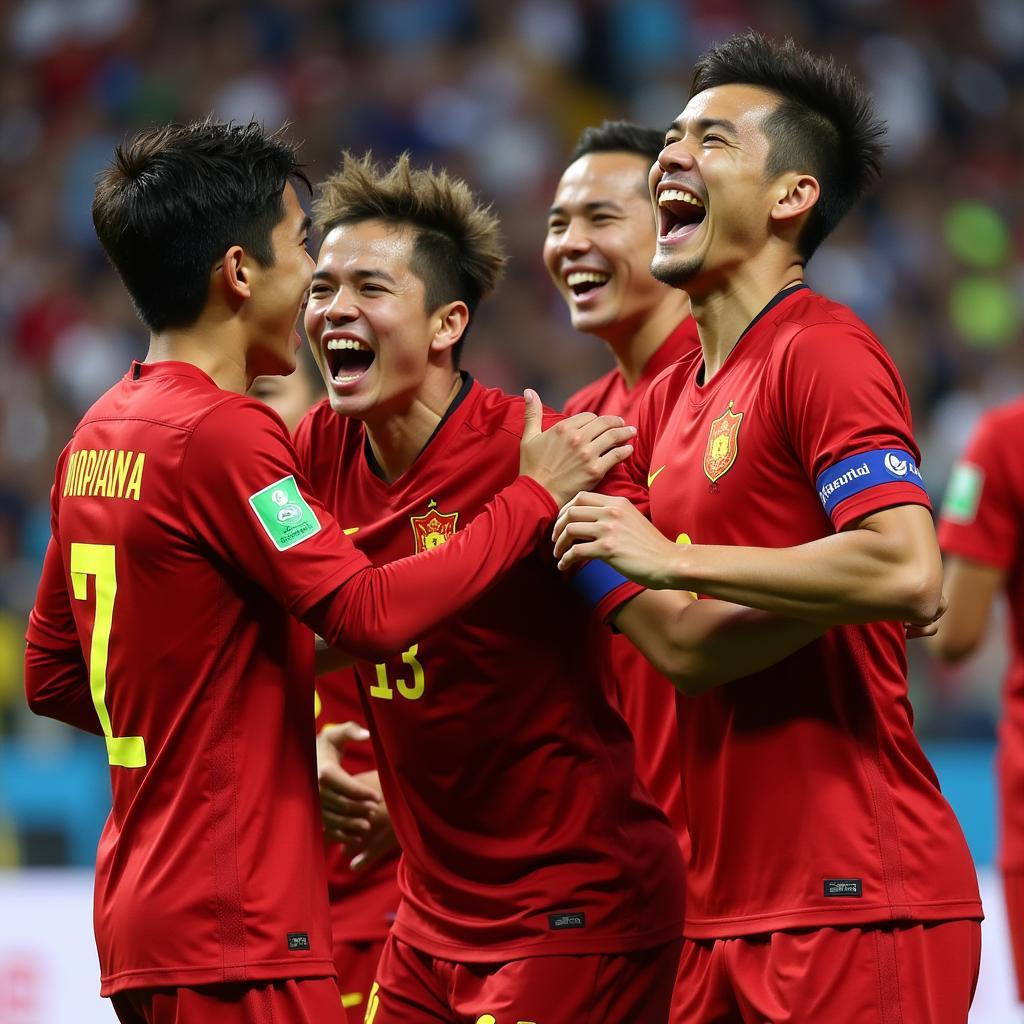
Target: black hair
{"points": [[619, 137]]}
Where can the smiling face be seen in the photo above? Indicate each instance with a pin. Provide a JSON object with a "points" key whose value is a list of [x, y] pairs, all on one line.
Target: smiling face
{"points": [[366, 319], [600, 241], [272, 312], [709, 187]]}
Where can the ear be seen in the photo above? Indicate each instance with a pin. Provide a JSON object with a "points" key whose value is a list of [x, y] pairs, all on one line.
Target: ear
{"points": [[796, 196], [450, 323], [233, 274]]}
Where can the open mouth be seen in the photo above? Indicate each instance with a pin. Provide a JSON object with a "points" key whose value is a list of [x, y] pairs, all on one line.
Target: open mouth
{"points": [[585, 282], [679, 213], [347, 359]]}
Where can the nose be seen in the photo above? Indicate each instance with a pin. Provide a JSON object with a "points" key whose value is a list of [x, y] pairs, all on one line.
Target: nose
{"points": [[575, 239], [676, 156], [341, 309]]}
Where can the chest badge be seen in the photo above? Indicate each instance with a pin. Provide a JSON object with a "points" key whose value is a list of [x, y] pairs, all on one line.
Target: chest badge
{"points": [[433, 527], [723, 444]]}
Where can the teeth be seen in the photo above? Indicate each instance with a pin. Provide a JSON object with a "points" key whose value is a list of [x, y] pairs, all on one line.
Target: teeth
{"points": [[672, 194], [336, 344], [585, 277]]}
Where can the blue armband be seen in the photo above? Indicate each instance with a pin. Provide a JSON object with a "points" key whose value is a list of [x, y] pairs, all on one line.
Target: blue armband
{"points": [[868, 469], [596, 580]]}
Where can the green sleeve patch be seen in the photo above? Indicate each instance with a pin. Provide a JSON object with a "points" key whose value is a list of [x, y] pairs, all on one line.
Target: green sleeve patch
{"points": [[284, 513], [963, 493]]}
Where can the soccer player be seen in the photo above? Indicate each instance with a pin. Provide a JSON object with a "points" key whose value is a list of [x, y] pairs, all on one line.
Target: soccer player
{"points": [[980, 532], [598, 251], [828, 877], [538, 881], [183, 535]]}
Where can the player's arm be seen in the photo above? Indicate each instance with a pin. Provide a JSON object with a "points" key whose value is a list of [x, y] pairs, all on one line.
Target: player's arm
{"points": [[296, 550], [885, 566], [970, 588], [56, 677], [328, 658]]}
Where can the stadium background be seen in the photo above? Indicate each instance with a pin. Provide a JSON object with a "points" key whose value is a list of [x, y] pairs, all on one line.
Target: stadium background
{"points": [[497, 92]]}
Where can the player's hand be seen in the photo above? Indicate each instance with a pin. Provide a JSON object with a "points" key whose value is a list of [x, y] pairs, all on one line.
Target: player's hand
{"points": [[918, 630], [574, 453], [371, 846], [347, 805], [613, 530]]}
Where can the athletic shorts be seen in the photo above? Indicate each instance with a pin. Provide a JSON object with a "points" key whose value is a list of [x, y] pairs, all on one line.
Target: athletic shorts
{"points": [[291, 1001], [877, 974], [625, 988], [356, 963]]}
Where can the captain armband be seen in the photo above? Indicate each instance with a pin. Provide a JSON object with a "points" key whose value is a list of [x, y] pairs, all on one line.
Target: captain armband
{"points": [[866, 470]]}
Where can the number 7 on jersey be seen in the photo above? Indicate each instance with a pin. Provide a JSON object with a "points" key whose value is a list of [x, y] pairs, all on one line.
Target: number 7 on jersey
{"points": [[98, 560]]}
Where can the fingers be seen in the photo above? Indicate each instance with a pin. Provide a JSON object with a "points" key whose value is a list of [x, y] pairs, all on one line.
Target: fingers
{"points": [[382, 842], [337, 785], [533, 414], [581, 552], [345, 732]]}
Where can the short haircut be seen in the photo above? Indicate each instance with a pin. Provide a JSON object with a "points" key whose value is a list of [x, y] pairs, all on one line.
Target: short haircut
{"points": [[825, 125], [457, 249], [619, 137], [177, 197]]}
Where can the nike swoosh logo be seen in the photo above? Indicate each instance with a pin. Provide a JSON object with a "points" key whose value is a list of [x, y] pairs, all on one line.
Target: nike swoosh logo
{"points": [[651, 477], [350, 530]]}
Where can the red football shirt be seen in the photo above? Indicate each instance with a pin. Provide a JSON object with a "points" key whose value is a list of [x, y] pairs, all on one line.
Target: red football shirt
{"points": [[983, 520], [180, 528], [646, 697], [363, 903], [508, 772], [808, 798]]}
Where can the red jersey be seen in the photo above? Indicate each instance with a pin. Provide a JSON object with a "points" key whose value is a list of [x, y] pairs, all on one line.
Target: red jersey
{"points": [[507, 770], [808, 798], [646, 697], [181, 526], [363, 903], [983, 520]]}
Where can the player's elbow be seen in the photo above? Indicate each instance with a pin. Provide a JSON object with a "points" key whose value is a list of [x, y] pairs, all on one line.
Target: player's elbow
{"points": [[919, 594], [687, 671]]}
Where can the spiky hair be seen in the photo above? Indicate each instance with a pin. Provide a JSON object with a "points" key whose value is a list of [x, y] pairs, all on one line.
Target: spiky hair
{"points": [[825, 125], [457, 253]]}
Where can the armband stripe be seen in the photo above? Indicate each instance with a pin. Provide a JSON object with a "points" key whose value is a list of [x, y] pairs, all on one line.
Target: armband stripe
{"points": [[595, 581], [868, 469]]}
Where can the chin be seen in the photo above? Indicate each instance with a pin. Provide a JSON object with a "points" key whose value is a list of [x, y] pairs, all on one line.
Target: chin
{"points": [[676, 273]]}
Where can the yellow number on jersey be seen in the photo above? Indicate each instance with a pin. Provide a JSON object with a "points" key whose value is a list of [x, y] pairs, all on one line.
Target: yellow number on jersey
{"points": [[372, 1004], [98, 560], [409, 690]]}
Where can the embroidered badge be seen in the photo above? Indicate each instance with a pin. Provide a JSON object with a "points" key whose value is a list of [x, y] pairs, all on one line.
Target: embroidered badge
{"points": [[433, 527], [723, 444], [284, 514]]}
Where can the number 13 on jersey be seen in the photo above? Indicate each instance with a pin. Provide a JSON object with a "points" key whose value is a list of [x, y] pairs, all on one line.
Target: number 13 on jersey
{"points": [[97, 560]]}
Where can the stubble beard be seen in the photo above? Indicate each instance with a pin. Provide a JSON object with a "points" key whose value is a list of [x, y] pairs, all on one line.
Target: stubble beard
{"points": [[676, 273]]}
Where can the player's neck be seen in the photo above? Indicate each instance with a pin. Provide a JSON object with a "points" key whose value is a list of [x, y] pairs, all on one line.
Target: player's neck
{"points": [[398, 434], [633, 346], [725, 311], [224, 363]]}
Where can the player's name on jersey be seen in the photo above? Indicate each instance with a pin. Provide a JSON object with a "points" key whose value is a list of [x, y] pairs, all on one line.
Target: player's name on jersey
{"points": [[104, 473]]}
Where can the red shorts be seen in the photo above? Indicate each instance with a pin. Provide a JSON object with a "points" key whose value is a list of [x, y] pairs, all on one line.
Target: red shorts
{"points": [[878, 974], [1013, 893], [291, 1001], [356, 963], [625, 988]]}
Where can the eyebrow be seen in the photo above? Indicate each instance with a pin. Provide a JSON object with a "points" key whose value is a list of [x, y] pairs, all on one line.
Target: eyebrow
{"points": [[590, 207], [704, 124], [359, 275]]}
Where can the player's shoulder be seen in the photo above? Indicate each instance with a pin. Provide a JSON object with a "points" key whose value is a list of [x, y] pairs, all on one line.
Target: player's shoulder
{"points": [[592, 397], [321, 419], [673, 380], [1004, 417], [496, 414]]}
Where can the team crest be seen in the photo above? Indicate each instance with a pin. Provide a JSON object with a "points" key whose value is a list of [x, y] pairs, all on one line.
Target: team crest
{"points": [[433, 527], [723, 444]]}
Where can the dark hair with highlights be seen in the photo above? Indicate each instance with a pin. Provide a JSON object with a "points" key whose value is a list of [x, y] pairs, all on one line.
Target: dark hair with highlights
{"points": [[825, 125], [177, 197], [619, 137], [457, 250]]}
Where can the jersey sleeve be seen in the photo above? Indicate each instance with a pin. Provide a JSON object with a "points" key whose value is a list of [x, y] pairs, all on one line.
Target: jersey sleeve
{"points": [[845, 411], [56, 679], [247, 500], [982, 514], [258, 513]]}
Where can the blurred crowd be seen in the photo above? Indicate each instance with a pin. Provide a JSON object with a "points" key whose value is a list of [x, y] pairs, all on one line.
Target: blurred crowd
{"points": [[497, 92]]}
